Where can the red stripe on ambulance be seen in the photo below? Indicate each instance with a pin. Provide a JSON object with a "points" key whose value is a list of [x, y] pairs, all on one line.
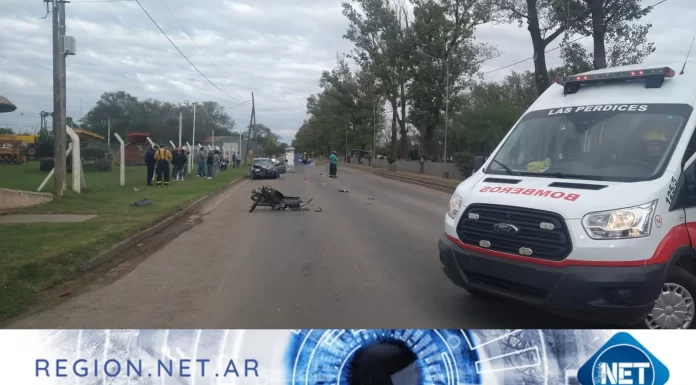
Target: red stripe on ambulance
{"points": [[531, 192]]}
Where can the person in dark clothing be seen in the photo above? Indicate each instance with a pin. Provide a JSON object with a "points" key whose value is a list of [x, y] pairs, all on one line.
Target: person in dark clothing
{"points": [[150, 162], [175, 163], [210, 164], [163, 157]]}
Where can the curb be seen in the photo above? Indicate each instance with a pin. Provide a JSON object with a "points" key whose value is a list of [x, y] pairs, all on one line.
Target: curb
{"points": [[107, 255], [434, 186]]}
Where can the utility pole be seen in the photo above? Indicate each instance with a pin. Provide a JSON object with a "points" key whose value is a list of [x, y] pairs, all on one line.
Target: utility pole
{"points": [[253, 104], [374, 135], [251, 121], [108, 130], [347, 124], [193, 135], [59, 134], [180, 122], [447, 97]]}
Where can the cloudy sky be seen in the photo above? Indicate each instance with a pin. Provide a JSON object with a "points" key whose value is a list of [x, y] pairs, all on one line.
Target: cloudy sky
{"points": [[277, 49]]}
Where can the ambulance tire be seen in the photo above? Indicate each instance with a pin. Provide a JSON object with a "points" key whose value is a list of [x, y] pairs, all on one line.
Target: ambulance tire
{"points": [[482, 295], [686, 280]]}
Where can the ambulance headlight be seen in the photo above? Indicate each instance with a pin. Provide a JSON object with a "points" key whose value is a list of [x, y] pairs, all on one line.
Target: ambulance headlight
{"points": [[455, 204], [631, 222]]}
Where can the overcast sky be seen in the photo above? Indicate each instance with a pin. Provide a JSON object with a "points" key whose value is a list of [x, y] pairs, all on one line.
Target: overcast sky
{"points": [[277, 49]]}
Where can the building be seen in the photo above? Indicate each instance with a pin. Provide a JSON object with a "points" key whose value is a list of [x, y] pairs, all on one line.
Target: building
{"points": [[232, 142]]}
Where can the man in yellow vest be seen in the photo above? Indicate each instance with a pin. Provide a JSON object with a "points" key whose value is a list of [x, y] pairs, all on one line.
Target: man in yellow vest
{"points": [[162, 159]]}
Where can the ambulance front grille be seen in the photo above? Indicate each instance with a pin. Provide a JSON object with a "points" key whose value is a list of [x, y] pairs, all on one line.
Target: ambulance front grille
{"points": [[540, 234]]}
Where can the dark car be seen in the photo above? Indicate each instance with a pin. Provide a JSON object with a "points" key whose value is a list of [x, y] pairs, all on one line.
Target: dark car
{"points": [[264, 168]]}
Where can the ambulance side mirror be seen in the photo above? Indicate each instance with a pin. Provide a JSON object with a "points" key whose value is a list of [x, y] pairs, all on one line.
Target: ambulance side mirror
{"points": [[478, 162]]}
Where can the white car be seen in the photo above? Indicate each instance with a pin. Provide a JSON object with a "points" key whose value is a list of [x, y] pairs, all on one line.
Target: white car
{"points": [[588, 206]]}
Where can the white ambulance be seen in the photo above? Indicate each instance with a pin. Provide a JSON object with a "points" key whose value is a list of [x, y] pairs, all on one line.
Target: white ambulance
{"points": [[587, 208]]}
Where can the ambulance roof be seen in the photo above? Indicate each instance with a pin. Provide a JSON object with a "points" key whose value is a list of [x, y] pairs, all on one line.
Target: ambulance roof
{"points": [[680, 89]]}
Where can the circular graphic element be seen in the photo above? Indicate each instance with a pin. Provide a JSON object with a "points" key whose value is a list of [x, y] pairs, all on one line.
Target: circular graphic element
{"points": [[325, 356], [658, 221], [621, 364]]}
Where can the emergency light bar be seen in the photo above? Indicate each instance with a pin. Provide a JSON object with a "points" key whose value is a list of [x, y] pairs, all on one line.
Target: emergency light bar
{"points": [[654, 77]]}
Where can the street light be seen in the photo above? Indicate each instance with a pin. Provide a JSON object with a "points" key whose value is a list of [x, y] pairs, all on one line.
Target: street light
{"points": [[446, 93]]}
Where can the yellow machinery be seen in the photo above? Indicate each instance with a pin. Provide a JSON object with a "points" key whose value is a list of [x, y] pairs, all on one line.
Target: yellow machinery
{"points": [[12, 151]]}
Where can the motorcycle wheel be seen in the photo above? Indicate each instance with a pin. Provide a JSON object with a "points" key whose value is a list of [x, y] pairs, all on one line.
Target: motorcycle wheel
{"points": [[253, 207]]}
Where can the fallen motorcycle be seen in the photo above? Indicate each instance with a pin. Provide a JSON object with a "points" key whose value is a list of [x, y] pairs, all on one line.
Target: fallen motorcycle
{"points": [[269, 197]]}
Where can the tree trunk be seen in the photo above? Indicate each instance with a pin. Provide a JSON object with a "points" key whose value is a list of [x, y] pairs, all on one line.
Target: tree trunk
{"points": [[402, 124], [394, 140], [541, 74], [430, 145], [598, 32]]}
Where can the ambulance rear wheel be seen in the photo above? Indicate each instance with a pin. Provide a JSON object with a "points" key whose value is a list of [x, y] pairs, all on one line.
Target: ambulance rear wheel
{"points": [[674, 308]]}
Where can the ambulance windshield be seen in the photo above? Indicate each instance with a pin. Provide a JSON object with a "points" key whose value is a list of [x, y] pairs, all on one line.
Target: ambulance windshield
{"points": [[608, 142]]}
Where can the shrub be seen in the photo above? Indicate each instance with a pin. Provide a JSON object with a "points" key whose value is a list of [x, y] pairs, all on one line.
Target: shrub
{"points": [[391, 159]]}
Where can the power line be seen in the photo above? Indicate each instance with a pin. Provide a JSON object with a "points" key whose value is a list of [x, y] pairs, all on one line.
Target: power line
{"points": [[192, 39], [554, 49], [182, 54]]}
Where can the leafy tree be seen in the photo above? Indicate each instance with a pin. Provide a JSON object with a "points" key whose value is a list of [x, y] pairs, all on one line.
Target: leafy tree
{"points": [[545, 23], [443, 37], [614, 21], [380, 29], [6, 131], [160, 119]]}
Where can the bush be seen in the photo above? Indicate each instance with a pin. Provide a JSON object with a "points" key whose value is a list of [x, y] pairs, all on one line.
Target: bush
{"points": [[391, 159], [464, 161]]}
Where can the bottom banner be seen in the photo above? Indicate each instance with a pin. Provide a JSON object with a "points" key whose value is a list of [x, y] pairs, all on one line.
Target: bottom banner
{"points": [[345, 356]]}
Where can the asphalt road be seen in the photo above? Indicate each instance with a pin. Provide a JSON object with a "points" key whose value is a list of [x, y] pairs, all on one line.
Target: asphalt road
{"points": [[368, 260]]}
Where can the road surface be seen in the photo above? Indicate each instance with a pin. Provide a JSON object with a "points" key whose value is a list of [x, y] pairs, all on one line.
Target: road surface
{"points": [[369, 260]]}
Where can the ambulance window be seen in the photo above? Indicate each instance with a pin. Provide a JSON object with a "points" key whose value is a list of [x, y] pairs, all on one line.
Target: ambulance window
{"points": [[690, 186], [690, 149]]}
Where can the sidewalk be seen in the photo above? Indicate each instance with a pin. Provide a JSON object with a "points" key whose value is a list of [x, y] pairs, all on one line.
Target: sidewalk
{"points": [[409, 177]]}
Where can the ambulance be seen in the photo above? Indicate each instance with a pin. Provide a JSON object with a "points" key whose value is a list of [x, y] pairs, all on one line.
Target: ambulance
{"points": [[587, 207]]}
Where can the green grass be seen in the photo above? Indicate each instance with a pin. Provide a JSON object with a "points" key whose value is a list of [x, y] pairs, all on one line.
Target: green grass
{"points": [[35, 257]]}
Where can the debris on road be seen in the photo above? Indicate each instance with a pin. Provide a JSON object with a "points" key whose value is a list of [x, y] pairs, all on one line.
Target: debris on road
{"points": [[270, 197], [370, 198], [67, 293], [142, 202], [343, 190]]}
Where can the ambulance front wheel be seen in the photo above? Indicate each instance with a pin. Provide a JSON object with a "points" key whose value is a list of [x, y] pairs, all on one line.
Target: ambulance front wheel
{"points": [[674, 308]]}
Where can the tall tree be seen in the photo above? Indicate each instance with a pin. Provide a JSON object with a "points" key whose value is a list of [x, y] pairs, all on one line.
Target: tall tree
{"points": [[614, 21], [379, 30], [545, 24], [447, 58]]}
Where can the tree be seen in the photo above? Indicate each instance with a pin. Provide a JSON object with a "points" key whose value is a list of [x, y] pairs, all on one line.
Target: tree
{"points": [[160, 119], [544, 22], [379, 30], [443, 36], [615, 21], [6, 131]]}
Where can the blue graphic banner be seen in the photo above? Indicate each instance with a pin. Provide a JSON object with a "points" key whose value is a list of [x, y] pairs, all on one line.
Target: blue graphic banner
{"points": [[343, 357]]}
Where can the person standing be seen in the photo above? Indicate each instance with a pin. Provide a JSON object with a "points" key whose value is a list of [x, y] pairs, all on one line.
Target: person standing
{"points": [[210, 164], [216, 163], [333, 164], [201, 162], [180, 162], [163, 157], [175, 163], [150, 162], [234, 160]]}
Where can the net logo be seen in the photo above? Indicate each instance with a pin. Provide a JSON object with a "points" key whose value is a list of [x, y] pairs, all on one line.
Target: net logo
{"points": [[623, 361]]}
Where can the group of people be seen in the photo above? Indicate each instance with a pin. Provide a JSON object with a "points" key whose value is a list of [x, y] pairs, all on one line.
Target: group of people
{"points": [[212, 159], [157, 160]]}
